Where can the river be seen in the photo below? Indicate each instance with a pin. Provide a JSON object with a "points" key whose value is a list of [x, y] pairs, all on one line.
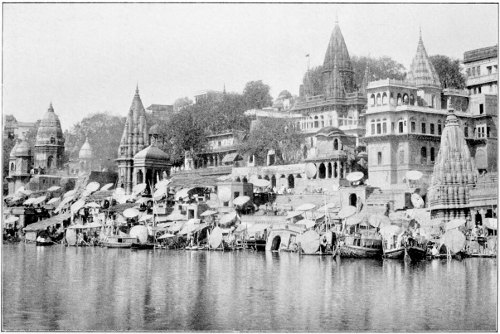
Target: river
{"points": [[69, 288]]}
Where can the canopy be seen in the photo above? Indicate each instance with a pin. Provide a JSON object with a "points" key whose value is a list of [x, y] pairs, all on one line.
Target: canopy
{"points": [[54, 188], [163, 183], [27, 192], [208, 213], [46, 223], [228, 219], [305, 207], [139, 188], [107, 186], [189, 226], [491, 223], [378, 220], [70, 193], [347, 212], [11, 219], [417, 201], [454, 240], [199, 227], [165, 236], [241, 200], [94, 225], [413, 175], [29, 201], [66, 200], [355, 219], [455, 223], [92, 205], [183, 193], [354, 176], [261, 183], [292, 214], [177, 226], [77, 226], [39, 200], [131, 212], [328, 206], [231, 157], [54, 200], [119, 192], [77, 205], [92, 186], [140, 232], [85, 193], [309, 242], [20, 190], [215, 237], [159, 193], [387, 231], [308, 223]]}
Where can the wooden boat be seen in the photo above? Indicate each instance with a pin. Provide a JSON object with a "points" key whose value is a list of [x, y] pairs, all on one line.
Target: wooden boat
{"points": [[138, 245], [392, 246], [44, 242], [361, 245], [416, 248], [394, 253], [116, 241], [259, 245]]}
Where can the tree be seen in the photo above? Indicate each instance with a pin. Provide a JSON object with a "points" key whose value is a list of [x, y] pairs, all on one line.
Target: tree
{"points": [[181, 103], [276, 134], [256, 95], [380, 68], [7, 145], [315, 77], [449, 71], [104, 132]]}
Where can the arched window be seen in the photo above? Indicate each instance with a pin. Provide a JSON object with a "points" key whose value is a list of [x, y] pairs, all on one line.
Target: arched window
{"points": [[379, 127], [424, 126], [413, 125], [291, 181], [412, 100], [321, 171], [378, 99], [373, 126], [400, 126], [304, 152], [384, 99], [12, 166], [335, 144], [433, 154], [335, 171], [140, 177], [50, 161], [391, 100], [439, 127], [322, 121], [316, 123], [433, 101], [423, 155], [52, 140], [405, 99], [372, 100], [400, 100], [384, 125], [329, 170]]}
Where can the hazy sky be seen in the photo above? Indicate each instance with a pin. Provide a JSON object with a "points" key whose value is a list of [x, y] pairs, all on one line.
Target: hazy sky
{"points": [[87, 58]]}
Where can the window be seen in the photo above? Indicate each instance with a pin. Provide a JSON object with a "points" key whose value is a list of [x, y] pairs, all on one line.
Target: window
{"points": [[479, 70], [392, 127], [379, 158], [316, 123], [432, 128], [488, 132], [481, 109], [466, 131], [432, 154], [378, 99], [479, 90], [423, 155], [52, 140], [384, 127], [468, 72], [336, 144], [12, 166], [473, 71], [439, 127], [373, 127], [413, 126], [400, 126], [424, 130], [379, 128], [384, 99], [219, 143], [481, 131], [372, 100], [489, 69]]}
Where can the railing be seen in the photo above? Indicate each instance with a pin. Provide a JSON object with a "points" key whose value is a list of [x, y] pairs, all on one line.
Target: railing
{"points": [[471, 81]]}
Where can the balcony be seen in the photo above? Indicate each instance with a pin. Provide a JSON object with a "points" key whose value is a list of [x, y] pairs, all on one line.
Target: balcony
{"points": [[479, 80]]}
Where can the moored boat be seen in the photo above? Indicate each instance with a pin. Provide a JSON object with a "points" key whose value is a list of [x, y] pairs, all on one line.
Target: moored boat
{"points": [[138, 245], [361, 245], [392, 246], [117, 241], [416, 248]]}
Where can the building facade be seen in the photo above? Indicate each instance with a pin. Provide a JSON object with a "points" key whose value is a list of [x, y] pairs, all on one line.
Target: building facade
{"points": [[49, 146]]}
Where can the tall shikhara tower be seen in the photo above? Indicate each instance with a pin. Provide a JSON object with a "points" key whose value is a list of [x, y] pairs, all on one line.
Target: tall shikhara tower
{"points": [[455, 174], [134, 139]]}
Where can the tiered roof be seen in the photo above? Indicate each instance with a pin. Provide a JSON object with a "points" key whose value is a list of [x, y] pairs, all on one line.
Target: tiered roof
{"points": [[422, 72], [135, 133]]}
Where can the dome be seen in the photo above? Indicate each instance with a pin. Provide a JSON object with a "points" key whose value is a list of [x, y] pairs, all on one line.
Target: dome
{"points": [[49, 130], [154, 130], [329, 131], [151, 153], [85, 151], [21, 149], [13, 151]]}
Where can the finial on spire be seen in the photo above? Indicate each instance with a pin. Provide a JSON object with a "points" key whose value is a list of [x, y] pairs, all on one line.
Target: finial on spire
{"points": [[336, 18], [224, 90], [51, 108], [137, 88], [420, 32]]}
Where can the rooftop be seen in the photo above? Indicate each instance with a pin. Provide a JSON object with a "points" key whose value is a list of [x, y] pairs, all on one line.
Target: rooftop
{"points": [[480, 54]]}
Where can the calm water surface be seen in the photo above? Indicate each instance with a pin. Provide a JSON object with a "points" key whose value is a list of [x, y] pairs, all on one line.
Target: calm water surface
{"points": [[60, 288]]}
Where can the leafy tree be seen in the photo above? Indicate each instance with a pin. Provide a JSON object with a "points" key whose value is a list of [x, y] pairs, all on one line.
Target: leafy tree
{"points": [[449, 71], [256, 95], [276, 134], [380, 68], [104, 132], [181, 103], [315, 77]]}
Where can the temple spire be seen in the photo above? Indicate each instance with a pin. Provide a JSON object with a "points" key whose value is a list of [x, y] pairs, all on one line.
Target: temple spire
{"points": [[422, 72]]}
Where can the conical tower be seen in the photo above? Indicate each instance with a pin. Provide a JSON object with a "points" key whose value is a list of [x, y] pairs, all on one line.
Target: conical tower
{"points": [[49, 145], [337, 55], [422, 73], [454, 174]]}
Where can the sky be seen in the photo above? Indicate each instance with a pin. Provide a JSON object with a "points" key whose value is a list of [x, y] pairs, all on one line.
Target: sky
{"points": [[88, 58]]}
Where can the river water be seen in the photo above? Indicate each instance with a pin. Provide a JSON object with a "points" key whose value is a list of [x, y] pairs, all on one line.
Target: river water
{"points": [[68, 288]]}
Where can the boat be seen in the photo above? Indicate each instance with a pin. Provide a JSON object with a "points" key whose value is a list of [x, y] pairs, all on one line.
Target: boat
{"points": [[138, 245], [392, 245], [43, 239], [118, 241], [416, 248], [365, 244]]}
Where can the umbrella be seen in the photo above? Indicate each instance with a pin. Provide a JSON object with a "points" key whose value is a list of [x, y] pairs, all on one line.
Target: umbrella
{"points": [[106, 187], [94, 225], [92, 205], [379, 220], [162, 183], [165, 236], [77, 205], [93, 186], [307, 222], [227, 219], [354, 176], [261, 183], [54, 200], [39, 200], [328, 206], [241, 200], [143, 200], [159, 193], [66, 200], [208, 213], [131, 213], [145, 218], [11, 219], [355, 219], [85, 193], [389, 230], [455, 223], [292, 214], [183, 193], [305, 207], [28, 201], [54, 188], [190, 226], [454, 241], [215, 237], [77, 226], [491, 223], [139, 188], [119, 191], [413, 175], [347, 212], [70, 193], [309, 242], [20, 190], [140, 232]]}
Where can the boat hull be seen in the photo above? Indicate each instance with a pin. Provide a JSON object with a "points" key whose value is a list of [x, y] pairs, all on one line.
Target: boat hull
{"points": [[349, 251], [396, 253], [117, 245], [142, 246], [416, 253], [45, 243]]}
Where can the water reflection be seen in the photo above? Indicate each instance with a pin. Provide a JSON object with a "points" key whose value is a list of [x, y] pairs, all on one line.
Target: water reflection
{"points": [[59, 288]]}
